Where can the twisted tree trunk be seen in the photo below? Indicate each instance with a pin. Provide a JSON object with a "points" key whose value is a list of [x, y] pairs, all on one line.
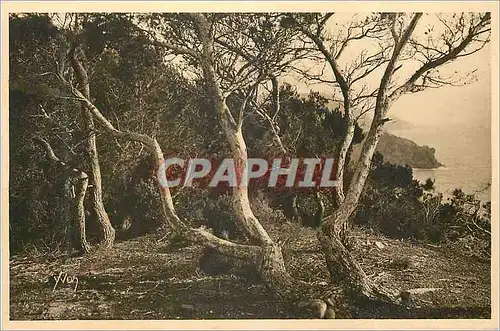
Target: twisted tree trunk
{"points": [[266, 255], [341, 264], [261, 250], [241, 205], [106, 229], [75, 186], [271, 264]]}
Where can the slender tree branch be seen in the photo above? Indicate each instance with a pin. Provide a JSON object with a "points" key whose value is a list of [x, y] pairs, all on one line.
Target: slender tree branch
{"points": [[49, 152], [452, 54], [176, 49], [389, 70], [344, 87]]}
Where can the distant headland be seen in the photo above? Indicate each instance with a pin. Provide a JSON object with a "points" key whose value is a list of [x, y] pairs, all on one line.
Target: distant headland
{"points": [[403, 151], [398, 150]]}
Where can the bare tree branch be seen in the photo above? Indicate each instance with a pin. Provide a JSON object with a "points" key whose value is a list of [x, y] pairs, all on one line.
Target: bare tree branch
{"points": [[176, 49], [49, 152], [473, 31], [389, 70]]}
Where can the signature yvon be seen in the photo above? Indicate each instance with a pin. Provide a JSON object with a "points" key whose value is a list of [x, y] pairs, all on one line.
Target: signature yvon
{"points": [[64, 278]]}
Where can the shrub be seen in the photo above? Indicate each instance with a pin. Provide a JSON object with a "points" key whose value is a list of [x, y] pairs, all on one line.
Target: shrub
{"points": [[398, 206], [390, 201]]}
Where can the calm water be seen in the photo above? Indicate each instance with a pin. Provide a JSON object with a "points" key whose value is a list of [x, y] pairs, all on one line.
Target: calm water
{"points": [[447, 179], [466, 154], [457, 123]]}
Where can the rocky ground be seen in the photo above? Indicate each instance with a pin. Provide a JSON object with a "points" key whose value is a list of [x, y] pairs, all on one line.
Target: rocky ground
{"points": [[147, 278]]}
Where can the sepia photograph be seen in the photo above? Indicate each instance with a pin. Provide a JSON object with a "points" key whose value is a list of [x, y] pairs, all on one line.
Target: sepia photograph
{"points": [[286, 163]]}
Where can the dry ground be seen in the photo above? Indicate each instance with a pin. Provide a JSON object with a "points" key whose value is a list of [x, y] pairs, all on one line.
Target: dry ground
{"points": [[144, 278]]}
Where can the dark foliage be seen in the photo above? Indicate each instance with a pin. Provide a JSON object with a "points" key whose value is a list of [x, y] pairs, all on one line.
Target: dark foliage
{"points": [[400, 207], [139, 91]]}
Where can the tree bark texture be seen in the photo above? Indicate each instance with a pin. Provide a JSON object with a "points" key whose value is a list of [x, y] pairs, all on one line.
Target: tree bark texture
{"points": [[106, 229], [75, 186]]}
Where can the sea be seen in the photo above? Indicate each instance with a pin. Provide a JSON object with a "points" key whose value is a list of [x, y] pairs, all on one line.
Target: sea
{"points": [[459, 128], [456, 121]]}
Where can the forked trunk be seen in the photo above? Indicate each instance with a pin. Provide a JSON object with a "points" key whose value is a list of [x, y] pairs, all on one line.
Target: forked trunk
{"points": [[106, 229], [361, 172], [341, 264], [271, 264], [241, 205]]}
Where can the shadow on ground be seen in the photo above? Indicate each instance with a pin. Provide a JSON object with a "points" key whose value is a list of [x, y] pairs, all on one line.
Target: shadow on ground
{"points": [[145, 279]]}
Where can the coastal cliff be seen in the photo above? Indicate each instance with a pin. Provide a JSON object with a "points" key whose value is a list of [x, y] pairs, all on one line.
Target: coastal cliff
{"points": [[404, 151]]}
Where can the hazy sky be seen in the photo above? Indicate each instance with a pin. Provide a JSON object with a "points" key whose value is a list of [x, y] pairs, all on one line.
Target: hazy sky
{"points": [[456, 121], [463, 105]]}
